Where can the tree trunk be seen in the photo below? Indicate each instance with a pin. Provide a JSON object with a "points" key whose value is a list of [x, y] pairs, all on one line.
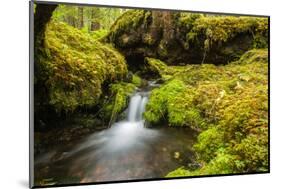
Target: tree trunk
{"points": [[42, 16], [80, 17], [95, 25]]}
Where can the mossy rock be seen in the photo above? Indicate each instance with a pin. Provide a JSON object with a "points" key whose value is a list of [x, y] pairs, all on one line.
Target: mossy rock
{"points": [[114, 104], [73, 67], [125, 29], [187, 38], [254, 56]]}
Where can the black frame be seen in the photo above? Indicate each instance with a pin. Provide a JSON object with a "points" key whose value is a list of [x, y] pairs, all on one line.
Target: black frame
{"points": [[31, 93]]}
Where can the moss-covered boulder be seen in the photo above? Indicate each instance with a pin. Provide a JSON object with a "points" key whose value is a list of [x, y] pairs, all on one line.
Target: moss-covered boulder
{"points": [[185, 38], [72, 69]]}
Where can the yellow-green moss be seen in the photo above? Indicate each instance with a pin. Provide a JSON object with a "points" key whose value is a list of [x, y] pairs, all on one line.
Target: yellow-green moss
{"points": [[130, 20], [222, 28], [119, 93], [157, 66], [99, 34], [157, 107], [227, 104], [76, 66], [136, 80], [254, 56], [223, 164]]}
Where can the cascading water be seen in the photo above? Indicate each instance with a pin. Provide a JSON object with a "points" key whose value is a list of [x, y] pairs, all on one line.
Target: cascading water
{"points": [[127, 150], [137, 107]]}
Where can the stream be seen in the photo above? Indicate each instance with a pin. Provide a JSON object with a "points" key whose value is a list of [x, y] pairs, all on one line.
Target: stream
{"points": [[126, 151]]}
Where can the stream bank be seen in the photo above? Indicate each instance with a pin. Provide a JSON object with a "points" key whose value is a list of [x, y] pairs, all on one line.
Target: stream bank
{"points": [[127, 150]]}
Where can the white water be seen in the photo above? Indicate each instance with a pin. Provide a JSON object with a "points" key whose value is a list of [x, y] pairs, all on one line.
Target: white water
{"points": [[127, 150], [137, 107], [123, 134]]}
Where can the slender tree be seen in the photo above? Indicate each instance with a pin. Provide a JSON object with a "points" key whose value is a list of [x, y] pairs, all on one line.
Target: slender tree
{"points": [[80, 17], [95, 21]]}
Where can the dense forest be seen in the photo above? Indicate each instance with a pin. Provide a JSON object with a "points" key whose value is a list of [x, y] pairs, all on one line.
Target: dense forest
{"points": [[204, 74]]}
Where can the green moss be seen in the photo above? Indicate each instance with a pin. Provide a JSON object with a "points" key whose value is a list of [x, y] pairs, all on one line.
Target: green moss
{"points": [[209, 142], [157, 66], [74, 67], [136, 80], [130, 20], [222, 164], [156, 108], [186, 37], [254, 56], [221, 29], [181, 110], [253, 150], [227, 104], [99, 34], [118, 100]]}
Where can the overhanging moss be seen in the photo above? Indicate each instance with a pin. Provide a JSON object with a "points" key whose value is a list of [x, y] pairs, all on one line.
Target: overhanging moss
{"points": [[74, 67], [157, 66]]}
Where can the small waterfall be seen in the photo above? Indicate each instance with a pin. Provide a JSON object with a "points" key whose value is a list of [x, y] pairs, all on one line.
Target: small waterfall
{"points": [[142, 107], [123, 151], [136, 107]]}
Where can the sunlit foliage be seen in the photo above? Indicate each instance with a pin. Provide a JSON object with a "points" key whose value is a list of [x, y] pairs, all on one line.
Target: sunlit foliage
{"points": [[86, 18]]}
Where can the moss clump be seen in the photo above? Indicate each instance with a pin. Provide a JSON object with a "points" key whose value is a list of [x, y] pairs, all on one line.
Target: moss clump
{"points": [[174, 103], [157, 66], [74, 67], [156, 108], [117, 101], [222, 164], [136, 80], [160, 68], [223, 28], [254, 56]]}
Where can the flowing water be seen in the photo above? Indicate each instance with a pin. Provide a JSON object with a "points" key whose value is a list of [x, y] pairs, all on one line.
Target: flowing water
{"points": [[126, 151]]}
